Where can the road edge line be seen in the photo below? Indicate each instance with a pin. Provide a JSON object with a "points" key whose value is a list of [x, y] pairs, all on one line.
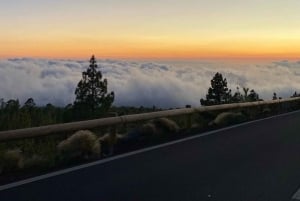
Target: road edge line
{"points": [[296, 196]]}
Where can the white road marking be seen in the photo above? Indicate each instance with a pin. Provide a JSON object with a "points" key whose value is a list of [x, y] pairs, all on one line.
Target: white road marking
{"points": [[296, 196], [102, 161]]}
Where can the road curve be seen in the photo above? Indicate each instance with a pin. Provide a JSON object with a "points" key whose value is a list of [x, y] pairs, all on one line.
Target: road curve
{"points": [[259, 161]]}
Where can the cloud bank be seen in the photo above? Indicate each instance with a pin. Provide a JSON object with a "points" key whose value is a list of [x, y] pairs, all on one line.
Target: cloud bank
{"points": [[163, 84]]}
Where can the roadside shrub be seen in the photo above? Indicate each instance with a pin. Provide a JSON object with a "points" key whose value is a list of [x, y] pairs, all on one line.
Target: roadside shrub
{"points": [[81, 145], [36, 162], [228, 118], [148, 129], [110, 139], [165, 125], [205, 118], [266, 111], [107, 142], [148, 133], [11, 161], [157, 127]]}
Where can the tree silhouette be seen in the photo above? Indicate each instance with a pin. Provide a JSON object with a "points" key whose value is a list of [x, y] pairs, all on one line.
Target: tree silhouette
{"points": [[2, 104], [29, 103], [253, 96], [237, 96], [246, 90], [295, 95], [92, 98], [218, 93], [12, 105]]}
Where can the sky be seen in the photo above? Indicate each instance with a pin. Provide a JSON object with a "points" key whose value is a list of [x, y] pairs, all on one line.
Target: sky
{"points": [[160, 29]]}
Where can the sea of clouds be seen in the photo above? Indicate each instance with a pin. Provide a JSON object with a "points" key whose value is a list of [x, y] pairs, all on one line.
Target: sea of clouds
{"points": [[142, 83]]}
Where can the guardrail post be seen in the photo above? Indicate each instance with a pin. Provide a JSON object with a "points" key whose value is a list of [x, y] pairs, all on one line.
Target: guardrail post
{"points": [[112, 139], [188, 121], [112, 136], [279, 107]]}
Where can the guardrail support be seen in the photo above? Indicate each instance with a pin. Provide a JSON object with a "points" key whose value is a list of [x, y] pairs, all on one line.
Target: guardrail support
{"points": [[112, 136], [188, 121], [112, 139]]}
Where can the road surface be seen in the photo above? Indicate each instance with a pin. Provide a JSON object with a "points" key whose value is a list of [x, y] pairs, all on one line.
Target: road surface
{"points": [[259, 161]]}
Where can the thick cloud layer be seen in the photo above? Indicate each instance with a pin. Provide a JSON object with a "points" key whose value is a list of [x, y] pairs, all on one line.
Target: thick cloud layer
{"points": [[163, 84]]}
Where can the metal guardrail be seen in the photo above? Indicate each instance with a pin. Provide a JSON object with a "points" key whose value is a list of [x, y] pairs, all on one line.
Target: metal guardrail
{"points": [[112, 121]]}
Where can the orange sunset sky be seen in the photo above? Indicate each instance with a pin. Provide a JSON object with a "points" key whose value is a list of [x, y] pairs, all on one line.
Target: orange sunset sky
{"points": [[150, 29]]}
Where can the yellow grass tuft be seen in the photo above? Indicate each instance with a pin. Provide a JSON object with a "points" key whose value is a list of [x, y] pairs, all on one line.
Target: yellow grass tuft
{"points": [[149, 129], [166, 125], [81, 145], [36, 161], [12, 160], [227, 118]]}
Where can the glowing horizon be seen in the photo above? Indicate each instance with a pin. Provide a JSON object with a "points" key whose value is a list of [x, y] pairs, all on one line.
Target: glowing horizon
{"points": [[166, 29]]}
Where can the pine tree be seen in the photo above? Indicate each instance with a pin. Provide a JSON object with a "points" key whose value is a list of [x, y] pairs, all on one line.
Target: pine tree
{"points": [[237, 96], [29, 103], [274, 96], [92, 98], [246, 90], [218, 93], [253, 96], [11, 119]]}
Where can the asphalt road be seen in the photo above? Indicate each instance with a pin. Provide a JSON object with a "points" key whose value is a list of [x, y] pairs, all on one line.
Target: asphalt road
{"points": [[255, 162]]}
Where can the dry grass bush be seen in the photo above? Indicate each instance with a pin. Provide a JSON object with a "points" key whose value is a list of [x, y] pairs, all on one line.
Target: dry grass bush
{"points": [[149, 129], [36, 162], [204, 119], [108, 138], [81, 145], [228, 118], [166, 125], [11, 160], [266, 111], [108, 141], [158, 127], [145, 134]]}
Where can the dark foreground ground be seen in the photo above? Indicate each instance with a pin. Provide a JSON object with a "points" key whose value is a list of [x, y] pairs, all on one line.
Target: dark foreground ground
{"points": [[254, 162]]}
